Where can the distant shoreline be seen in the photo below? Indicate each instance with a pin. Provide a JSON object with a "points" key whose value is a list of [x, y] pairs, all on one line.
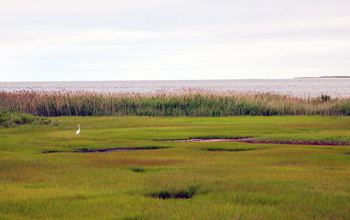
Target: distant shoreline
{"points": [[323, 77], [308, 87]]}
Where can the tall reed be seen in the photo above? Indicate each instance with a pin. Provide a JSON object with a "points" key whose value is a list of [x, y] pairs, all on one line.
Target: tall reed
{"points": [[191, 103]]}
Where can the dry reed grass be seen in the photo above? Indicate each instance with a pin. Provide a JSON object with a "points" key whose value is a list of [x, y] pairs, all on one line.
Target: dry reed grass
{"points": [[186, 103]]}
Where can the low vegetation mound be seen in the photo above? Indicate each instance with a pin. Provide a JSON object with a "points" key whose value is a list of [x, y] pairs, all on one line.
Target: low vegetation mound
{"points": [[175, 194], [138, 169], [170, 104], [11, 119]]}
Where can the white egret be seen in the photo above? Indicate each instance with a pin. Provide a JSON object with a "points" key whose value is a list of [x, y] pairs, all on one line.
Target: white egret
{"points": [[78, 131]]}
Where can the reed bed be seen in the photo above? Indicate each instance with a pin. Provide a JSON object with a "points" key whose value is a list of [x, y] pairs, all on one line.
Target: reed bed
{"points": [[187, 103]]}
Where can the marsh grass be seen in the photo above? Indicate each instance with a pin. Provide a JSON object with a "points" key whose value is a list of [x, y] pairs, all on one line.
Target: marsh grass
{"points": [[277, 182], [220, 149], [170, 104], [134, 218], [253, 199]]}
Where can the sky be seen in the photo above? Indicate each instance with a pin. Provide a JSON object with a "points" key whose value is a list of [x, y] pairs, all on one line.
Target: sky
{"points": [[63, 40]]}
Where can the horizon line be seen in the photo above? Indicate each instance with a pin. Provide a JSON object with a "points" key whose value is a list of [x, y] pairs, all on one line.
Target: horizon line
{"points": [[149, 80]]}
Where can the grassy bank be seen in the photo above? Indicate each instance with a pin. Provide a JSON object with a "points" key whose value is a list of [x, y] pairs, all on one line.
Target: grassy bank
{"points": [[182, 104], [175, 180], [11, 119]]}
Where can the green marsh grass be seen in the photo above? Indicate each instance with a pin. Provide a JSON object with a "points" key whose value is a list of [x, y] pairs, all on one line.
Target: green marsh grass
{"points": [[220, 149], [272, 182]]}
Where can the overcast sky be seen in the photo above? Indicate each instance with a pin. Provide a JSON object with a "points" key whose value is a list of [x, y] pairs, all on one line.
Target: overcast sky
{"points": [[46, 40]]}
